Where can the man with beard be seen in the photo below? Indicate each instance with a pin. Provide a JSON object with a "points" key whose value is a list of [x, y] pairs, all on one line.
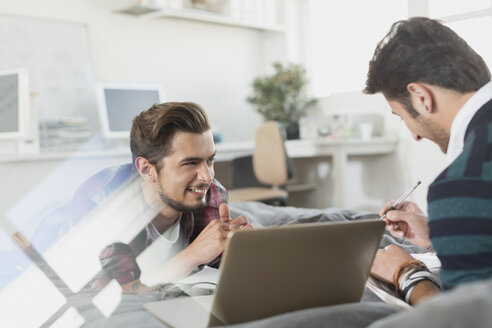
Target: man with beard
{"points": [[441, 89], [173, 171]]}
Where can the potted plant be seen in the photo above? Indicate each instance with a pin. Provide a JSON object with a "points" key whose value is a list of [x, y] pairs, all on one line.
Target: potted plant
{"points": [[282, 97]]}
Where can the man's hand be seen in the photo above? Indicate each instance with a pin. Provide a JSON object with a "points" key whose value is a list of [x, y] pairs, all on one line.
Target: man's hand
{"points": [[409, 222], [387, 262], [206, 247], [240, 222], [209, 243]]}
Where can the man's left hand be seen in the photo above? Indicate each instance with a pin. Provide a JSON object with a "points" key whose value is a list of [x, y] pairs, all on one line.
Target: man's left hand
{"points": [[240, 222], [387, 261]]}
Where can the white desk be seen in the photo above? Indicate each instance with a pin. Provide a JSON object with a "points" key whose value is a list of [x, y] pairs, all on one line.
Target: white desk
{"points": [[338, 150]]}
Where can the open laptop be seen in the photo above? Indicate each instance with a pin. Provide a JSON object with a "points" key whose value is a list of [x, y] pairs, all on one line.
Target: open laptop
{"points": [[274, 270]]}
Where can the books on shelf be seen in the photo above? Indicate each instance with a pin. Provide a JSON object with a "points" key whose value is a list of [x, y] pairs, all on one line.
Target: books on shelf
{"points": [[65, 134]]}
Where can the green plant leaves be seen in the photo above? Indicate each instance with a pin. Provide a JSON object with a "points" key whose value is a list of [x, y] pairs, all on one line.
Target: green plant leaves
{"points": [[282, 96]]}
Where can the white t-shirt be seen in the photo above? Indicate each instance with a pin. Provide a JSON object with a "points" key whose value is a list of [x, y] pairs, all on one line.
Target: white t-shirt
{"points": [[153, 260]]}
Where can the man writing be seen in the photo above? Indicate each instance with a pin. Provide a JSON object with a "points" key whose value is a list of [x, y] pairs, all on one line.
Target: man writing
{"points": [[173, 173], [441, 89]]}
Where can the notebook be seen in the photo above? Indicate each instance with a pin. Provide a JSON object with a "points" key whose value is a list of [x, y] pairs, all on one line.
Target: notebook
{"points": [[274, 270]]}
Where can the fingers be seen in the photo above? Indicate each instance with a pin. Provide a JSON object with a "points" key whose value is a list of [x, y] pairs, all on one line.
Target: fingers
{"points": [[224, 213], [222, 228], [398, 220], [238, 222], [406, 206], [216, 225], [224, 233], [386, 207], [410, 206], [413, 208], [397, 229], [397, 233], [396, 216], [246, 226]]}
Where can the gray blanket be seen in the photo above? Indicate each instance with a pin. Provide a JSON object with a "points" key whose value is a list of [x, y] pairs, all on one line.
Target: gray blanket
{"points": [[261, 215]]}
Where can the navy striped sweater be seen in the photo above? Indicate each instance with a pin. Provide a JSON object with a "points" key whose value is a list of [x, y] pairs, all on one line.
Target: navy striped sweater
{"points": [[460, 207]]}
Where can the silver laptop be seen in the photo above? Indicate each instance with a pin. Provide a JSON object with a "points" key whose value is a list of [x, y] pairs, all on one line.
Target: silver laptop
{"points": [[274, 270]]}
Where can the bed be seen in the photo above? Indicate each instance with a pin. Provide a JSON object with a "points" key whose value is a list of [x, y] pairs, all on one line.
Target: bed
{"points": [[130, 312], [468, 305]]}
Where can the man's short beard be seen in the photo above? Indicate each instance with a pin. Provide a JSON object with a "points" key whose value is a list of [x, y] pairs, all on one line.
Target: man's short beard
{"points": [[180, 206], [435, 134]]}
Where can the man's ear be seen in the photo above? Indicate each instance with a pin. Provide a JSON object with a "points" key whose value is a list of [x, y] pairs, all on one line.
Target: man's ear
{"points": [[421, 97], [145, 169]]}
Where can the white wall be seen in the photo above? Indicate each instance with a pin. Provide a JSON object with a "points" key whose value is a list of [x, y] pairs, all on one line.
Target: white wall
{"points": [[213, 65]]}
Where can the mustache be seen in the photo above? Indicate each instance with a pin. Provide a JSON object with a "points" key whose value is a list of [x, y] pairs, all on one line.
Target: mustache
{"points": [[201, 186]]}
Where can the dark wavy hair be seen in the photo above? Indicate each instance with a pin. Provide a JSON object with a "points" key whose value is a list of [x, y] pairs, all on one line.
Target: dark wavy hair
{"points": [[423, 50], [153, 130]]}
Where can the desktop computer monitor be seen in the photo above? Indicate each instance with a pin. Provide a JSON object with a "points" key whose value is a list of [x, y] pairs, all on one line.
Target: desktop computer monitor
{"points": [[119, 104], [14, 103]]}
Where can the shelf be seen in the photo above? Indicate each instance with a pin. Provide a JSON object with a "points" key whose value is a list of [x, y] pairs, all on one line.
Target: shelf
{"points": [[152, 12]]}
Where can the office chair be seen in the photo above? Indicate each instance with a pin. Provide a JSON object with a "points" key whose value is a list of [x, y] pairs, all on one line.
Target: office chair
{"points": [[271, 168]]}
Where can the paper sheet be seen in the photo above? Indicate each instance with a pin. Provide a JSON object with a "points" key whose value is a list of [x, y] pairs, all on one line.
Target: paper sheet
{"points": [[430, 259], [208, 274]]}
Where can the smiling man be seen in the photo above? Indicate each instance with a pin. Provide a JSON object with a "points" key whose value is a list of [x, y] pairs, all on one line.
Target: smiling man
{"points": [[440, 87], [173, 171]]}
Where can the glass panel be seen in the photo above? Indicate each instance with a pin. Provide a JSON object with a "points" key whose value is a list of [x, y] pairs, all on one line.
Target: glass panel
{"points": [[343, 37], [443, 8], [70, 319], [24, 289], [108, 299], [475, 32]]}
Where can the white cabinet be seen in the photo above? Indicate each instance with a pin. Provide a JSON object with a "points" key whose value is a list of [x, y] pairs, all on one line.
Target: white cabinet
{"points": [[264, 15]]}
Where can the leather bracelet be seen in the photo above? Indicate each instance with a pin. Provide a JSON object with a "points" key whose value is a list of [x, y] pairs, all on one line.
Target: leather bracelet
{"points": [[411, 279], [405, 266]]}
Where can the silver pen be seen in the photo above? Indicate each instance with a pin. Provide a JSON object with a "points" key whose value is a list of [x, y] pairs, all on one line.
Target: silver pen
{"points": [[402, 199]]}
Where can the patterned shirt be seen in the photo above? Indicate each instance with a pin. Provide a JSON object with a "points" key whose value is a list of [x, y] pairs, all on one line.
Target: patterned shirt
{"points": [[460, 207], [118, 259]]}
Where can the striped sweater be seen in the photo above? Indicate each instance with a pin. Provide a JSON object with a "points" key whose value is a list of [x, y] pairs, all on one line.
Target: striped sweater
{"points": [[460, 207]]}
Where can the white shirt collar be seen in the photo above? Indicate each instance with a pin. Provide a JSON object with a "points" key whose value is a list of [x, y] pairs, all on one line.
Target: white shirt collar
{"points": [[171, 234], [463, 118]]}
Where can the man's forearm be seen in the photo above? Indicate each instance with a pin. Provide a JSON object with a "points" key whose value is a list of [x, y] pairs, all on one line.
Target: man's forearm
{"points": [[181, 265], [423, 290]]}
